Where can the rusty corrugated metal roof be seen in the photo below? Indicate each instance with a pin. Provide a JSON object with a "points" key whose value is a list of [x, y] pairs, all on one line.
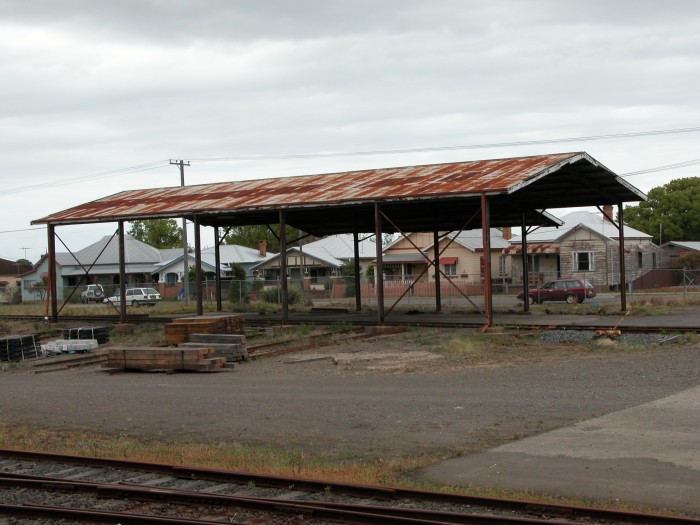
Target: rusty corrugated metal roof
{"points": [[498, 176]]}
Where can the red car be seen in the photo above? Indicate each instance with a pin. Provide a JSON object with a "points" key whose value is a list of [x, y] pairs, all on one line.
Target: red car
{"points": [[569, 290]]}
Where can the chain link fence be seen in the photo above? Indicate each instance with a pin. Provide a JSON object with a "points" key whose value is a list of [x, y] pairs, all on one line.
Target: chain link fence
{"points": [[681, 282]]}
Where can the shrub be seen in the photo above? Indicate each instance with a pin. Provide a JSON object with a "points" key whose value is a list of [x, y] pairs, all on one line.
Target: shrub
{"points": [[238, 287], [271, 295]]}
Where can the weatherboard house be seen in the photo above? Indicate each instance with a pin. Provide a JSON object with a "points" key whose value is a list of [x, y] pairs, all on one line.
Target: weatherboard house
{"points": [[461, 256], [100, 260], [170, 270], [675, 249], [317, 262], [144, 265], [586, 246]]}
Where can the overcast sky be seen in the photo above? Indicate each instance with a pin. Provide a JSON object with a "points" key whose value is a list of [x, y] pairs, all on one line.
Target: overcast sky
{"points": [[91, 87]]}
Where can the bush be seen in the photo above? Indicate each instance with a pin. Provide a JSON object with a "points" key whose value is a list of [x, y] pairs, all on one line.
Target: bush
{"points": [[238, 292], [347, 271], [271, 295], [350, 289], [238, 287]]}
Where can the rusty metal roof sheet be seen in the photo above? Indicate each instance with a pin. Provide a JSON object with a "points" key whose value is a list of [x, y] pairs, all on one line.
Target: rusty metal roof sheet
{"points": [[390, 185]]}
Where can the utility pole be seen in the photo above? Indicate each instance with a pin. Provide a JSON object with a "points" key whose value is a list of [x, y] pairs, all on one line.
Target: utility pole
{"points": [[185, 261]]}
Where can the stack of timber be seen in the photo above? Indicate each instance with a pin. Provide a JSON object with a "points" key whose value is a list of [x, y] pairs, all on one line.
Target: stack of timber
{"points": [[19, 347], [66, 361], [231, 346], [101, 333], [161, 358], [180, 330]]}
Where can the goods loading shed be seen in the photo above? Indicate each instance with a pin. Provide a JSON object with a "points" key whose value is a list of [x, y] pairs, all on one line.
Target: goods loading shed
{"points": [[429, 198]]}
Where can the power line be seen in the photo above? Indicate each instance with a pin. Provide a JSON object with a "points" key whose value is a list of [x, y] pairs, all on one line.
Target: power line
{"points": [[674, 166], [451, 148], [100, 175], [23, 230], [162, 163]]}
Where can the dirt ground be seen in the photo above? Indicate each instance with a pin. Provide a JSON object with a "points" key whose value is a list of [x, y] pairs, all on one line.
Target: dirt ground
{"points": [[389, 396]]}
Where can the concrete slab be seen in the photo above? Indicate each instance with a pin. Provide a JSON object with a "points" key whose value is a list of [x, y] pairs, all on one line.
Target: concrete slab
{"points": [[647, 455]]}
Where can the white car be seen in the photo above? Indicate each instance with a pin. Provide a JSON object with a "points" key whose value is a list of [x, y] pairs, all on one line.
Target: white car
{"points": [[136, 297], [92, 292]]}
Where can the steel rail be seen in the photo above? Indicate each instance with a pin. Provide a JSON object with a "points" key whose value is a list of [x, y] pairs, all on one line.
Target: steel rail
{"points": [[358, 490], [257, 321], [98, 516], [340, 512]]}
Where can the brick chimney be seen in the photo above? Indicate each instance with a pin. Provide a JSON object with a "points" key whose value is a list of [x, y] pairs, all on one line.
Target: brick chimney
{"points": [[506, 233], [262, 248], [608, 212]]}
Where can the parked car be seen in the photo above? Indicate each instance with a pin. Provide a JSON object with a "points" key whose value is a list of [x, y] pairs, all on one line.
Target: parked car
{"points": [[92, 292], [136, 297], [590, 289], [569, 290]]}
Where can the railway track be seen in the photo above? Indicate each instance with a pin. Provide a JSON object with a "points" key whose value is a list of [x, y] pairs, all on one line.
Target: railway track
{"points": [[49, 488], [256, 320]]}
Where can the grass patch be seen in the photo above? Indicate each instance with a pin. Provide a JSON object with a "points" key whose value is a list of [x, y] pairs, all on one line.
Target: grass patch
{"points": [[265, 460], [146, 334], [476, 348], [273, 461]]}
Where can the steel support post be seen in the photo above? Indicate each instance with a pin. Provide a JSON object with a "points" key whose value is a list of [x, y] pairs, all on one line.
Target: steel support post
{"points": [[526, 266], [283, 267], [379, 270], [53, 288], [122, 273], [436, 263], [486, 242], [358, 292], [623, 277], [217, 270], [198, 266]]}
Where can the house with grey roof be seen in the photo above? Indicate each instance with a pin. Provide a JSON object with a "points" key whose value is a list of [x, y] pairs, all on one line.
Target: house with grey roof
{"points": [[170, 270], [316, 262], [586, 246], [672, 250], [100, 261], [461, 256], [144, 265]]}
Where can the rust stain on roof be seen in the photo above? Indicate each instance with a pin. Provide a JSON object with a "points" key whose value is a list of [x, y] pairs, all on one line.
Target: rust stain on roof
{"points": [[387, 184]]}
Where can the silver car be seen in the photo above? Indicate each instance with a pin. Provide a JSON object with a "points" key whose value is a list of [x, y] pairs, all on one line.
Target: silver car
{"points": [[137, 297]]}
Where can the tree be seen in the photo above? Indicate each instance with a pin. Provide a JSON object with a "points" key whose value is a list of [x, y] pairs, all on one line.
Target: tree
{"points": [[159, 233], [251, 236], [24, 262], [672, 212]]}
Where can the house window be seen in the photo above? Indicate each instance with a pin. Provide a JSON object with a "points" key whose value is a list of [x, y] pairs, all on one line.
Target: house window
{"points": [[533, 263], [653, 260], [640, 259], [502, 265], [449, 265], [583, 261], [450, 269]]}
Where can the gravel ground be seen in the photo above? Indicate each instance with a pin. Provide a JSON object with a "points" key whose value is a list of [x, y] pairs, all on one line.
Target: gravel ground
{"points": [[384, 397]]}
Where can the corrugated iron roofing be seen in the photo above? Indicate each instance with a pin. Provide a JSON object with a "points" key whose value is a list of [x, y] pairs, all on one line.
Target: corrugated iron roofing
{"points": [[413, 182]]}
